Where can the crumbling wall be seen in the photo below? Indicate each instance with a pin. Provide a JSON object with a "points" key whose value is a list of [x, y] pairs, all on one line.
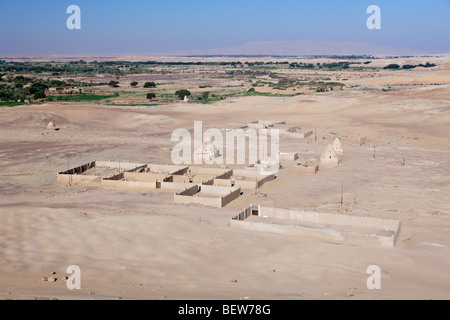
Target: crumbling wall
{"points": [[264, 179], [145, 177], [272, 212], [297, 135], [215, 190], [129, 185], [234, 194], [284, 156], [322, 234], [176, 186], [244, 214], [212, 195], [246, 184], [203, 179], [124, 165], [138, 169], [222, 182], [119, 176], [305, 169], [210, 171], [189, 191], [247, 179], [166, 168], [186, 199], [74, 175], [80, 169], [226, 175], [245, 173], [181, 179], [76, 178]]}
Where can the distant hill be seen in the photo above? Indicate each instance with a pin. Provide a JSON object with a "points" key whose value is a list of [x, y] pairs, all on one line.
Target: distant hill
{"points": [[301, 48]]}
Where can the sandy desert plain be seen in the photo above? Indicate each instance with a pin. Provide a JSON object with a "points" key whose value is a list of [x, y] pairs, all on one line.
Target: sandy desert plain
{"points": [[140, 245]]}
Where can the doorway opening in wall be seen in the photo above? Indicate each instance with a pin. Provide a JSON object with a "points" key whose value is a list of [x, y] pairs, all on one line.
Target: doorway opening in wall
{"points": [[158, 184], [255, 212]]}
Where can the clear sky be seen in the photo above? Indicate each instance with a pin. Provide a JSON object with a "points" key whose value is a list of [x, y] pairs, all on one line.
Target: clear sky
{"points": [[38, 27]]}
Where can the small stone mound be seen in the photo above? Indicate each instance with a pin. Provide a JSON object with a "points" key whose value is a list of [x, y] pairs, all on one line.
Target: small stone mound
{"points": [[51, 126]]}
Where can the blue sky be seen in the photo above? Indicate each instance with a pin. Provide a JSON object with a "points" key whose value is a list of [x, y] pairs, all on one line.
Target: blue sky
{"points": [[31, 27]]}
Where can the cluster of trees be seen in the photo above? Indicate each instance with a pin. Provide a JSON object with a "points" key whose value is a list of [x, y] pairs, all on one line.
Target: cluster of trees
{"points": [[207, 63], [113, 84], [341, 64], [150, 84], [22, 80], [301, 65], [284, 83], [409, 66], [187, 63], [14, 90], [117, 68], [10, 92], [344, 57], [426, 65], [21, 88], [251, 73], [51, 68], [182, 93], [205, 95], [392, 66], [211, 63], [256, 63]]}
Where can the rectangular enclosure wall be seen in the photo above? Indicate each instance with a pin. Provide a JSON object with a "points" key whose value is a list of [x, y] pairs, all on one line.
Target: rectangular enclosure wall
{"points": [[212, 195], [124, 165], [129, 185], [75, 174], [324, 219], [234, 194], [288, 156]]}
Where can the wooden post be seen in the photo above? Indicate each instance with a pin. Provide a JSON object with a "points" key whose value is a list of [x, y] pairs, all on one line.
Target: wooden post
{"points": [[68, 171]]}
